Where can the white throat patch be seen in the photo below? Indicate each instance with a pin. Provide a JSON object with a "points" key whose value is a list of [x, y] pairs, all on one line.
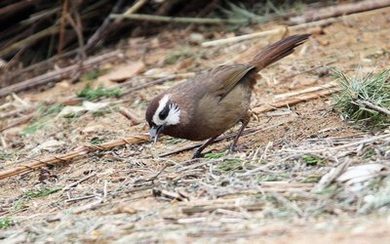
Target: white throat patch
{"points": [[173, 116]]}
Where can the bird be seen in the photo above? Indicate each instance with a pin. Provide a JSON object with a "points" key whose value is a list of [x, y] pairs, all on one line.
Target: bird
{"points": [[215, 100]]}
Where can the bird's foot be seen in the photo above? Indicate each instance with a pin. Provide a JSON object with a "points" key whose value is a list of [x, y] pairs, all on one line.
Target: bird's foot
{"points": [[197, 154]]}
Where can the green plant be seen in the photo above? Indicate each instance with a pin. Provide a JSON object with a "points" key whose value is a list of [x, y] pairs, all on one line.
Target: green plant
{"points": [[174, 56], [5, 223], [312, 160], [92, 75], [96, 140], [365, 98], [214, 155], [89, 93], [41, 192], [228, 165], [46, 112]]}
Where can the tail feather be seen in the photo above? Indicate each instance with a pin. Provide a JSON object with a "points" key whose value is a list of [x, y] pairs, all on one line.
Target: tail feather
{"points": [[277, 50]]}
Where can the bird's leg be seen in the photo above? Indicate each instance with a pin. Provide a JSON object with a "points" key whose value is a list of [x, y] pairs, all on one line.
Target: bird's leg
{"points": [[198, 151], [244, 122]]}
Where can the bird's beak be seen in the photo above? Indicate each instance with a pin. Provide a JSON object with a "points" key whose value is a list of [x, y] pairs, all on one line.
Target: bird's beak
{"points": [[154, 132]]}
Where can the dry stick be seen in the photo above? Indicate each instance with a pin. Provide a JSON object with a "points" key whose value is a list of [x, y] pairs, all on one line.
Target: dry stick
{"points": [[352, 144], [66, 188], [61, 37], [66, 158], [17, 122], [130, 115], [374, 107], [244, 37], [16, 7], [294, 100], [338, 10], [31, 39], [39, 66], [98, 36], [147, 84], [285, 29], [136, 6], [306, 90], [156, 18], [58, 74]]}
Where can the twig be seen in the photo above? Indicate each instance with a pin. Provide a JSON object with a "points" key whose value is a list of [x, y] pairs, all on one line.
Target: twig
{"points": [[66, 188], [16, 7], [79, 198], [244, 37], [130, 115], [156, 18], [29, 40], [286, 29], [294, 100], [152, 83], [158, 173], [170, 195], [105, 190], [374, 107], [338, 10], [103, 29], [331, 176], [58, 74], [17, 122], [78, 28], [62, 26], [287, 203], [68, 157], [136, 6], [306, 90], [229, 205], [355, 143]]}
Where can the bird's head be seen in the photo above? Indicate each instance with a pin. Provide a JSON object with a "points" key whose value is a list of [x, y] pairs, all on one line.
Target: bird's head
{"points": [[161, 113]]}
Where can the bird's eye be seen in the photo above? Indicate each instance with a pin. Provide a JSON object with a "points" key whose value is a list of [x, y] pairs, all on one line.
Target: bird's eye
{"points": [[164, 113]]}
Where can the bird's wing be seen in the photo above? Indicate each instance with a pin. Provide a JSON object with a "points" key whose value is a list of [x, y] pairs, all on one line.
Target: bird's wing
{"points": [[225, 77]]}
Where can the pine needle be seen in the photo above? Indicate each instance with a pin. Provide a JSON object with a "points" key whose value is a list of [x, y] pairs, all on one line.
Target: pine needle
{"points": [[365, 98]]}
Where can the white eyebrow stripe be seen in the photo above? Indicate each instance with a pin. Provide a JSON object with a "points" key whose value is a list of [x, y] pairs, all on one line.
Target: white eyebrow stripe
{"points": [[161, 105], [173, 116]]}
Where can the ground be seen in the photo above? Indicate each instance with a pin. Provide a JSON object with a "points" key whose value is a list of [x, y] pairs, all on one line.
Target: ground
{"points": [[270, 191]]}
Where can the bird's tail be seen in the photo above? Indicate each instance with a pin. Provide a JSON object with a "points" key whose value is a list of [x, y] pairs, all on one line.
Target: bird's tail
{"points": [[277, 50]]}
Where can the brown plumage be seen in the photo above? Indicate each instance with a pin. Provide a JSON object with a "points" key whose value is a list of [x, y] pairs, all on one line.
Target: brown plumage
{"points": [[213, 101]]}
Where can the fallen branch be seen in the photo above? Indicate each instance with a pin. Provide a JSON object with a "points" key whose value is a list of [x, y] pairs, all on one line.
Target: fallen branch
{"points": [[156, 18], [306, 90], [104, 29], [29, 40], [57, 75], [287, 29], [68, 157], [288, 101], [234, 39], [338, 10]]}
